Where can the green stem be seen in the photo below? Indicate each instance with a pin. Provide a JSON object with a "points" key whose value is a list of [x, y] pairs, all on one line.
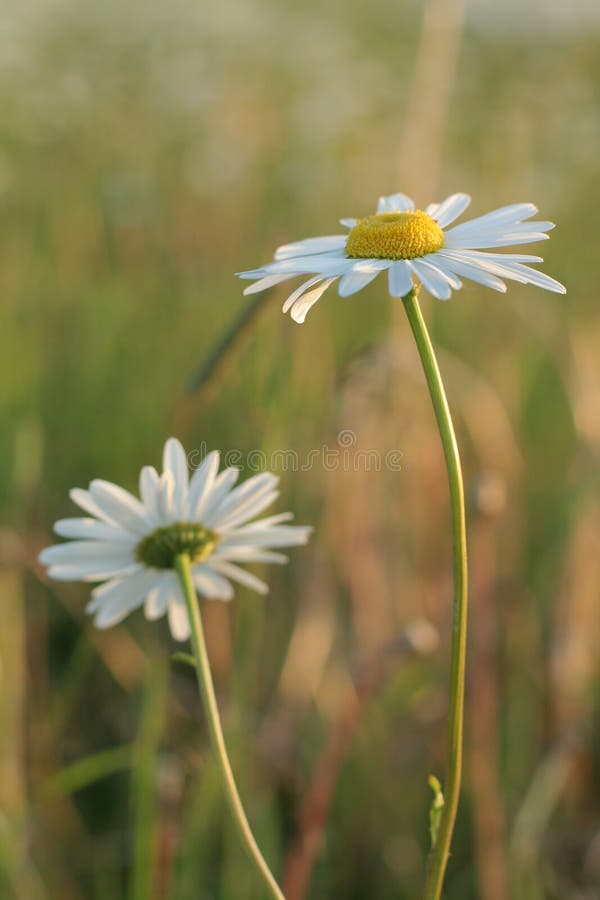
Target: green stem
{"points": [[211, 709], [438, 859]]}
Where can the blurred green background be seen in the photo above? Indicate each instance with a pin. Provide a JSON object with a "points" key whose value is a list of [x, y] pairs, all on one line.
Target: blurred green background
{"points": [[147, 152]]}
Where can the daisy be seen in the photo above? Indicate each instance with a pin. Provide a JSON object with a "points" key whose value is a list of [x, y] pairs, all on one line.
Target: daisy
{"points": [[410, 244], [131, 545]]}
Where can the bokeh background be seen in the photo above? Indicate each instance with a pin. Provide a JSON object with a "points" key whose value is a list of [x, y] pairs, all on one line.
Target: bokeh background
{"points": [[147, 152]]}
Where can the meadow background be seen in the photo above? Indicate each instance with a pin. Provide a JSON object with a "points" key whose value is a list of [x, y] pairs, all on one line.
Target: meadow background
{"points": [[147, 152]]}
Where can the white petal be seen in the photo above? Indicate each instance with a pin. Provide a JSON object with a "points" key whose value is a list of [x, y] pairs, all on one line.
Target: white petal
{"points": [[113, 601], [158, 597], [360, 276], [471, 270], [508, 265], [395, 203], [250, 488], [295, 295], [326, 265], [513, 213], [312, 246], [504, 257], [282, 536], [252, 274], [167, 509], [431, 279], [149, 484], [489, 265], [175, 461], [86, 551], [217, 493], [532, 276], [480, 242], [95, 530], [442, 268], [269, 521], [497, 228], [467, 229], [451, 208], [84, 500], [543, 281], [210, 584], [243, 496], [240, 575], [348, 223], [268, 281], [302, 306], [399, 279], [248, 511], [88, 571], [179, 622], [244, 553], [108, 588], [201, 484], [119, 505]]}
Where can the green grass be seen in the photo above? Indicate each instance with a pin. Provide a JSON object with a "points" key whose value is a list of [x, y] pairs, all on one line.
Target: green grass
{"points": [[147, 154]]}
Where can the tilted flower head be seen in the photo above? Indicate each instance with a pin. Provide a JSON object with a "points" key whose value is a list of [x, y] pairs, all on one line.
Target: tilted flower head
{"points": [[410, 244], [131, 544]]}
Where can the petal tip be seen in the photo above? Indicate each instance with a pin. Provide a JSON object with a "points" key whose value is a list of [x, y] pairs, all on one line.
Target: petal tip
{"points": [[42, 556], [298, 317], [173, 445]]}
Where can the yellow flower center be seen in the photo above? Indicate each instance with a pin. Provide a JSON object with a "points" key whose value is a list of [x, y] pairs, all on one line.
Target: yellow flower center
{"points": [[160, 548], [401, 235]]}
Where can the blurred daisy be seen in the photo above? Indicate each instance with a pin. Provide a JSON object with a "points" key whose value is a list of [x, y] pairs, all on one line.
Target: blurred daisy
{"points": [[131, 544], [410, 244]]}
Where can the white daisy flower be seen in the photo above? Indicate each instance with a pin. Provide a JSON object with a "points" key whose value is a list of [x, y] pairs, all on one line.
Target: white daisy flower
{"points": [[130, 545], [410, 244]]}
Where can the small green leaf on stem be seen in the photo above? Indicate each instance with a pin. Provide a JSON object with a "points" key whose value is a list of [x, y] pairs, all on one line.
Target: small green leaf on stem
{"points": [[186, 658], [435, 810]]}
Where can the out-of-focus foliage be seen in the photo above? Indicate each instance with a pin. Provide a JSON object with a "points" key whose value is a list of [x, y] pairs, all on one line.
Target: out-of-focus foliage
{"points": [[147, 152]]}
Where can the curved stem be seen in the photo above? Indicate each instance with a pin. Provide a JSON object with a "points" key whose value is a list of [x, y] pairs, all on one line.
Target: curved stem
{"points": [[211, 709], [438, 859]]}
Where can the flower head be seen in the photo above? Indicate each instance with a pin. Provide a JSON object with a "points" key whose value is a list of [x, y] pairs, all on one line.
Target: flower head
{"points": [[131, 545], [410, 244]]}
